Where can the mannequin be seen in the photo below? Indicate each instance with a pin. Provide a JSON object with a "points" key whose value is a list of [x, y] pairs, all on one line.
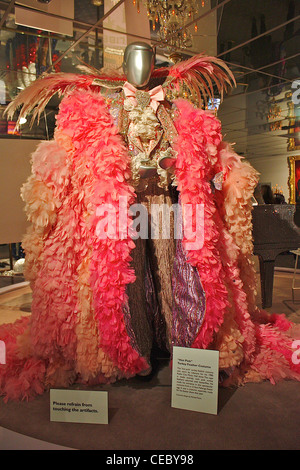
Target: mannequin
{"points": [[138, 66], [100, 303], [138, 63]]}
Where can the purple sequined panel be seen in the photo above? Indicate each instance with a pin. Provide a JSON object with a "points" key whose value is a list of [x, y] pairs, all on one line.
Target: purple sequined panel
{"points": [[188, 300], [129, 329]]}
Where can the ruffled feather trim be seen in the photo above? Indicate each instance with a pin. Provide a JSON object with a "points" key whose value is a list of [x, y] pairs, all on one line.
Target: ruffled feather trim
{"points": [[20, 378], [254, 344], [102, 169], [77, 330], [199, 135]]}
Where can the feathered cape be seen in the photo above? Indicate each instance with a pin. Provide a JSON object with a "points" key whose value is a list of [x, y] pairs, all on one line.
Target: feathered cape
{"points": [[77, 330]]}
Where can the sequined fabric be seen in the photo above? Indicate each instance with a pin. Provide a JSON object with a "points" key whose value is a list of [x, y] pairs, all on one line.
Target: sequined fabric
{"points": [[188, 300], [148, 135]]}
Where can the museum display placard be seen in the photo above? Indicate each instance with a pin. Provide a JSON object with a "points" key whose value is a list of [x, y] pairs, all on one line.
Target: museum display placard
{"points": [[79, 406], [195, 378]]}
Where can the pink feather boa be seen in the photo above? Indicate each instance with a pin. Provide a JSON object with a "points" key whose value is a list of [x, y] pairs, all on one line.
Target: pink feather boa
{"points": [[199, 135], [98, 146], [84, 167], [233, 324]]}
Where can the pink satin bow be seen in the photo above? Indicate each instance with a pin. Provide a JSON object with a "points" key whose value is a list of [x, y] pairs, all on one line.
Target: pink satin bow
{"points": [[157, 94]]}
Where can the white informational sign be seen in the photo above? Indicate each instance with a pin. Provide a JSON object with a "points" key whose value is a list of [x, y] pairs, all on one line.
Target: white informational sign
{"points": [[79, 406], [195, 379]]}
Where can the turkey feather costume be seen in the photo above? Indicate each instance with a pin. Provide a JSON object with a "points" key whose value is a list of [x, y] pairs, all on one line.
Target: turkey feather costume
{"points": [[99, 303]]}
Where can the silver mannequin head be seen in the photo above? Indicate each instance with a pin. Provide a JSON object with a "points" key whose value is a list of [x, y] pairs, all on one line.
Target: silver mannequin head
{"points": [[138, 63]]}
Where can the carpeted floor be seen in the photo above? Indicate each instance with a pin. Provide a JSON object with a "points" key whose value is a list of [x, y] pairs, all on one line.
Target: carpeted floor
{"points": [[256, 416]]}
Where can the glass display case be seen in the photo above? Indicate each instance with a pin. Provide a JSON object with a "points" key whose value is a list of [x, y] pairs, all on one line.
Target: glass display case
{"points": [[26, 53]]}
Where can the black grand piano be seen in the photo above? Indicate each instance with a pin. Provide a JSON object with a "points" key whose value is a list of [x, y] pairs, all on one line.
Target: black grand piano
{"points": [[275, 230]]}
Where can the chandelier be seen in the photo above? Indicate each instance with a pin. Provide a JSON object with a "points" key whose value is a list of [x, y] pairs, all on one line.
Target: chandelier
{"points": [[170, 19]]}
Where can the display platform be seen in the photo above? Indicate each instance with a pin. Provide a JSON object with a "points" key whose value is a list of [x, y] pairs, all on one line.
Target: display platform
{"points": [[256, 416], [10, 440]]}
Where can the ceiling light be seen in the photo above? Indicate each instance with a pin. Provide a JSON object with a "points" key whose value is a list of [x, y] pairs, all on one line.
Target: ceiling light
{"points": [[169, 18]]}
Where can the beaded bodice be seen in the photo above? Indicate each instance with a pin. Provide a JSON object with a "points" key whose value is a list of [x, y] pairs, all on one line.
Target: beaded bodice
{"points": [[149, 137]]}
